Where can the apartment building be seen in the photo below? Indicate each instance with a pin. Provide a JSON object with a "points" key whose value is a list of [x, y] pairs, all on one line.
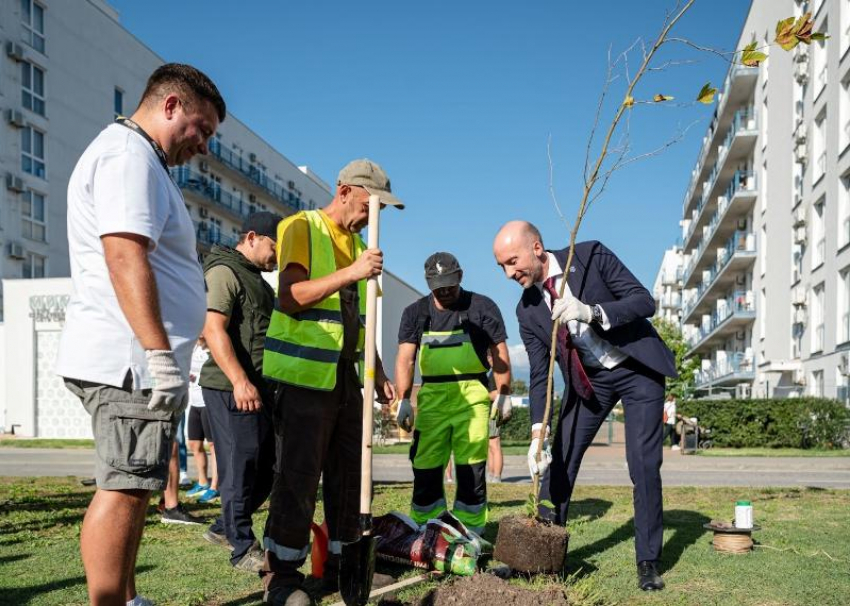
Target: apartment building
{"points": [[667, 288], [766, 218]]}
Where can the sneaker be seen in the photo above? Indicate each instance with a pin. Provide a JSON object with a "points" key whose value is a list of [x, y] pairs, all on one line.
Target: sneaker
{"points": [[184, 480], [140, 601], [252, 561], [495, 479], [209, 496], [216, 539], [178, 515], [675, 447], [197, 490]]}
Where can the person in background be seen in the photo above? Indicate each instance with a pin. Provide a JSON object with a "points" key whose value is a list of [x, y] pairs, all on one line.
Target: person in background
{"points": [[495, 461], [206, 488], [670, 422]]}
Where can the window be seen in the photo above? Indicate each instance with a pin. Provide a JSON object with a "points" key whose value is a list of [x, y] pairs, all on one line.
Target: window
{"points": [[33, 216], [32, 16], [816, 390], [32, 151], [32, 85], [34, 266], [819, 148], [844, 306], [844, 113], [817, 318], [118, 102], [818, 235], [844, 211], [819, 73]]}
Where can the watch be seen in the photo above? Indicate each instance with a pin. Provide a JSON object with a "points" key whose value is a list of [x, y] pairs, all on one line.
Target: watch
{"points": [[596, 312]]}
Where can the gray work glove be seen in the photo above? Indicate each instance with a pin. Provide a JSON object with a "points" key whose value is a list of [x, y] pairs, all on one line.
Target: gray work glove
{"points": [[500, 411], [404, 415], [170, 391]]}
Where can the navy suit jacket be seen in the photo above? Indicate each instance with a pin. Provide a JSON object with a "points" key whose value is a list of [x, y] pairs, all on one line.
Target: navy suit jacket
{"points": [[596, 276]]}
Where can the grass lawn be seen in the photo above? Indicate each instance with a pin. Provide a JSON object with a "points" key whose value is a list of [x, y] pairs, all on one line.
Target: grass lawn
{"points": [[45, 443], [804, 557], [772, 452], [508, 448]]}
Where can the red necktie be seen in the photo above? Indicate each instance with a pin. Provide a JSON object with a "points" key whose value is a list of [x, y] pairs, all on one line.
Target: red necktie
{"points": [[568, 352]]}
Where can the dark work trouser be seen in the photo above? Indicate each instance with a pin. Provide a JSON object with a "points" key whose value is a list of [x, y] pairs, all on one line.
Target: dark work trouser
{"points": [[244, 455], [642, 393], [318, 433]]}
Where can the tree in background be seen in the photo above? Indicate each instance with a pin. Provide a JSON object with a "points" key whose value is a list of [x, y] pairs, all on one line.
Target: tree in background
{"points": [[519, 388], [683, 385]]}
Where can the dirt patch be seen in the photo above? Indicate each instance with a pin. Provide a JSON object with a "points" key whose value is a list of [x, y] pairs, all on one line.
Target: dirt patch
{"points": [[527, 545], [484, 590]]}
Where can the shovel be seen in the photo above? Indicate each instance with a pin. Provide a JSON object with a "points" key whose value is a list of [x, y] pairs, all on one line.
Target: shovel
{"points": [[357, 561]]}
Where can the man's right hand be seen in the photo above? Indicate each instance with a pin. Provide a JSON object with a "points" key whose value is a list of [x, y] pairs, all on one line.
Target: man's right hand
{"points": [[247, 397], [170, 391], [369, 264]]}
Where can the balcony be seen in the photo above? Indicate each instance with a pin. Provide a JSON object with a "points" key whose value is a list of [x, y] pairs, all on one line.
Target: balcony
{"points": [[736, 256], [732, 206], [252, 173], [670, 300], [730, 368], [737, 145], [211, 191], [671, 278], [208, 235], [732, 315], [737, 90]]}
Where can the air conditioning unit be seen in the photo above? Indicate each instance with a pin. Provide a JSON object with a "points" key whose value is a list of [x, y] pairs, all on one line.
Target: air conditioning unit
{"points": [[252, 157], [15, 250], [252, 198], [801, 153], [14, 183], [844, 364], [800, 315], [801, 71], [800, 132], [743, 391], [203, 213], [800, 376], [800, 217], [799, 296], [15, 51], [290, 184], [204, 167], [800, 235], [15, 117]]}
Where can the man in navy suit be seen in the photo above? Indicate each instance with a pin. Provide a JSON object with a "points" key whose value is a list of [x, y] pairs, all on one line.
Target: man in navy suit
{"points": [[607, 352]]}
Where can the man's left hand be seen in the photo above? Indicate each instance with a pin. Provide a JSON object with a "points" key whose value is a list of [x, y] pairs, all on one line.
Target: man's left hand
{"points": [[569, 308], [500, 411], [385, 391]]}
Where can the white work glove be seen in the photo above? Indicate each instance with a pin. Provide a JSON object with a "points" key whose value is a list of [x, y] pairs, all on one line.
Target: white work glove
{"points": [[404, 415], [170, 391], [534, 466], [570, 308], [500, 411]]}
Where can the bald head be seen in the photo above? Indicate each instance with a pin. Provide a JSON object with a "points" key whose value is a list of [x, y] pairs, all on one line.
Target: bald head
{"points": [[518, 248]]}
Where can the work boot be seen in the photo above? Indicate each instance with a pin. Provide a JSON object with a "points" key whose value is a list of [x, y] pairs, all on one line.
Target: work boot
{"points": [[649, 579], [330, 576], [287, 595]]}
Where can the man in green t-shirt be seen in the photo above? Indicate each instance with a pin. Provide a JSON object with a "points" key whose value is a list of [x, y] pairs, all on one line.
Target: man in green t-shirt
{"points": [[238, 399]]}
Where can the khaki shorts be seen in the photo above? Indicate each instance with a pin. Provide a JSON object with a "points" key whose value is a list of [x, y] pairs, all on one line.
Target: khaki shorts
{"points": [[132, 443], [495, 430]]}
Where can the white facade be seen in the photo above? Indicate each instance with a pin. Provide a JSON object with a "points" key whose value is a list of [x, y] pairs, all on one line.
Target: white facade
{"points": [[766, 218], [667, 288], [66, 70]]}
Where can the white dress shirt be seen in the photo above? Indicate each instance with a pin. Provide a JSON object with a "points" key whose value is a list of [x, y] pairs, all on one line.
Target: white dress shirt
{"points": [[594, 350]]}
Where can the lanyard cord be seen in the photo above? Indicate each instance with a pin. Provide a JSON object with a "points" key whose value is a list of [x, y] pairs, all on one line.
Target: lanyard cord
{"points": [[160, 153]]}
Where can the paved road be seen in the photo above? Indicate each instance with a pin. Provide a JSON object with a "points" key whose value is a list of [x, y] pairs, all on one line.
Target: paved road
{"points": [[602, 466]]}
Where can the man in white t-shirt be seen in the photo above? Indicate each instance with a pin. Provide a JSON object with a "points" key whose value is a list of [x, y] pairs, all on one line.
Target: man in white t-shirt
{"points": [[137, 310]]}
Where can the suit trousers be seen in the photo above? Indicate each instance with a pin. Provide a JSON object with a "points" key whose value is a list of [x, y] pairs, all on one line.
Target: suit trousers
{"points": [[642, 393]]}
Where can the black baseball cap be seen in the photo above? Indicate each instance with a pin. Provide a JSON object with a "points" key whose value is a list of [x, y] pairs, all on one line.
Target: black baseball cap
{"points": [[262, 223], [442, 270]]}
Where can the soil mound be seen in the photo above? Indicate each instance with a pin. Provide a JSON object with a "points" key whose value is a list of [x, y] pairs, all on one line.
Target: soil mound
{"points": [[484, 590]]}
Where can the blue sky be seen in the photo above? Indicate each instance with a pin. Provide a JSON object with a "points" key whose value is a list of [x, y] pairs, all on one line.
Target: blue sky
{"points": [[456, 101]]}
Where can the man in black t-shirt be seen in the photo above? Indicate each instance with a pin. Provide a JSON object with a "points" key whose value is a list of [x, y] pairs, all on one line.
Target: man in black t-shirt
{"points": [[452, 330]]}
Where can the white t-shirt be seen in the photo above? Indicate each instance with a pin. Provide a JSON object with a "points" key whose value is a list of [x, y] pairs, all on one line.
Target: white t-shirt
{"points": [[120, 186], [670, 411], [199, 356]]}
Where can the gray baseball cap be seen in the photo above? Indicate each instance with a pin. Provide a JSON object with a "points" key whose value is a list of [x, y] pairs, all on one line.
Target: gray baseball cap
{"points": [[442, 270], [371, 177]]}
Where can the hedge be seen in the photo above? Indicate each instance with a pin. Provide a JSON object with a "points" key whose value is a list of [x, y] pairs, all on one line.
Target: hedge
{"points": [[772, 423]]}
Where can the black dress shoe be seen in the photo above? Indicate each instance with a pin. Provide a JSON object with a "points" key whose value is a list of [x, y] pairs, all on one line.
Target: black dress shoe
{"points": [[648, 577]]}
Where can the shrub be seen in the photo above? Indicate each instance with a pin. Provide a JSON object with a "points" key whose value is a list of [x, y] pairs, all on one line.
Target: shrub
{"points": [[786, 423]]}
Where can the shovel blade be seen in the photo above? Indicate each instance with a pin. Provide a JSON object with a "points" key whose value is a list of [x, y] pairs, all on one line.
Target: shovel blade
{"points": [[357, 567]]}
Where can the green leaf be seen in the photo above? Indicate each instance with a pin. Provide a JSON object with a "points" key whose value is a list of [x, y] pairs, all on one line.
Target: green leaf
{"points": [[786, 33], [706, 94], [819, 36], [750, 56], [547, 503]]}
